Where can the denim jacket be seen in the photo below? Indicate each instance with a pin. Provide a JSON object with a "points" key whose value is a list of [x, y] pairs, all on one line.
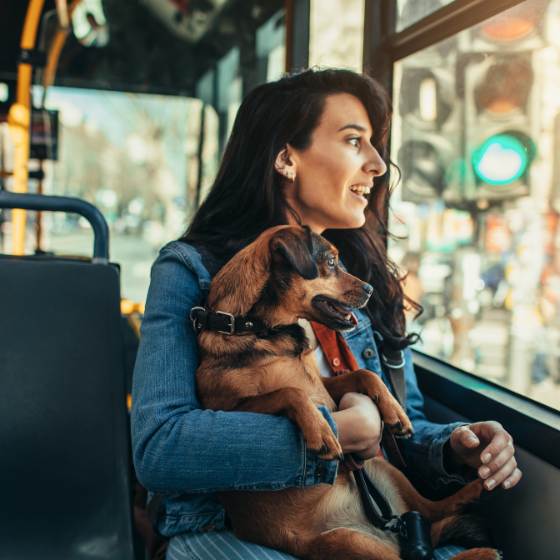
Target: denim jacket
{"points": [[187, 453]]}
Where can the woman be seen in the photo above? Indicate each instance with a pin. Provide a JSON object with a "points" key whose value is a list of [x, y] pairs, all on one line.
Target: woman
{"points": [[309, 149]]}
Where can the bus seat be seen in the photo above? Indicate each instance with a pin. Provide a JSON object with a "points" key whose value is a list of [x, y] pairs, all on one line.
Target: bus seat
{"points": [[64, 438]]}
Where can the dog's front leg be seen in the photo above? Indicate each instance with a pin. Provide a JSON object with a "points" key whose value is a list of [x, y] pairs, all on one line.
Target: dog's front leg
{"points": [[296, 405], [366, 382]]}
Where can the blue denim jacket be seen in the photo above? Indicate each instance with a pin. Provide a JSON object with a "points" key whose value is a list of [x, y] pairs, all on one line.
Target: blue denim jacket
{"points": [[187, 453]]}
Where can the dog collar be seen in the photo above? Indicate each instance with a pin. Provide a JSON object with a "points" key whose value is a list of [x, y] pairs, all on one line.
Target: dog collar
{"points": [[224, 323]]}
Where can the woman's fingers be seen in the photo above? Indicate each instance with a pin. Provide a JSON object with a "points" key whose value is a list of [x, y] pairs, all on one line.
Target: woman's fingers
{"points": [[511, 481], [499, 470], [464, 436], [500, 458], [500, 440]]}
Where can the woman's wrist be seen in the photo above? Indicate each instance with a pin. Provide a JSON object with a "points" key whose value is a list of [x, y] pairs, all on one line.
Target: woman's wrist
{"points": [[359, 425], [453, 464]]}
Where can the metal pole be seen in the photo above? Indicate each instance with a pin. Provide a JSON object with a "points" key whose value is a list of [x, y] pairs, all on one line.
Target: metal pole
{"points": [[19, 118]]}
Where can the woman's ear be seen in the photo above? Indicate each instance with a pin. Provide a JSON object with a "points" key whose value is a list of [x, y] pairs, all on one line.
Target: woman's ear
{"points": [[284, 163]]}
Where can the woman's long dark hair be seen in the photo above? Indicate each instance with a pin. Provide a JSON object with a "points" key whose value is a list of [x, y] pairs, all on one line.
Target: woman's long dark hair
{"points": [[247, 196]]}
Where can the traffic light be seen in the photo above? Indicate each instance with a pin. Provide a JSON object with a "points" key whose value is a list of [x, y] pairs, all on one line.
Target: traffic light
{"points": [[500, 125], [429, 144], [501, 109]]}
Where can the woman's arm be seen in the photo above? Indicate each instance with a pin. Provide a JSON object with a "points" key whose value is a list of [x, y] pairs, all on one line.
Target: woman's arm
{"points": [[456, 452], [426, 450], [177, 446]]}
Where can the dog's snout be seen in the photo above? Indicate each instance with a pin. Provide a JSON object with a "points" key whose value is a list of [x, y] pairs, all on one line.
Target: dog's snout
{"points": [[368, 289]]}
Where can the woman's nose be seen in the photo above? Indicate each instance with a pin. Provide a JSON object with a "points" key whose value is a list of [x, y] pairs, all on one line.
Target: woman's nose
{"points": [[375, 164]]}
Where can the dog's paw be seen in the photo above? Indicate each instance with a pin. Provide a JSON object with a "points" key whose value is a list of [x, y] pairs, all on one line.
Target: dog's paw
{"points": [[395, 417], [321, 439], [480, 554], [400, 431], [390, 410]]}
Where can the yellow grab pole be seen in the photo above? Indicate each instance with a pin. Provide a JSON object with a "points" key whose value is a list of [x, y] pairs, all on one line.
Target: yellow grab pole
{"points": [[56, 48], [19, 118]]}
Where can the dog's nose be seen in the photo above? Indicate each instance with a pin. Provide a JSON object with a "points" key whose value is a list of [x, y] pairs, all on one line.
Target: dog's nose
{"points": [[368, 289]]}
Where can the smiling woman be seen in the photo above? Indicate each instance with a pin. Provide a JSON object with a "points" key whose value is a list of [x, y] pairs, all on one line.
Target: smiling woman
{"points": [[309, 149], [330, 180]]}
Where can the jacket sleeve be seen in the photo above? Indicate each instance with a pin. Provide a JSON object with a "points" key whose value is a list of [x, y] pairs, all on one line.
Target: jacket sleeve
{"points": [[177, 446], [424, 452]]}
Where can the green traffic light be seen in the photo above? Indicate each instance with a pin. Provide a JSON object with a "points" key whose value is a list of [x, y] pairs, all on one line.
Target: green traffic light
{"points": [[501, 159]]}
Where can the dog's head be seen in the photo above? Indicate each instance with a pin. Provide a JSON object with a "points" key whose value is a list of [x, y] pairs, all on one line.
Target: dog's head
{"points": [[289, 272]]}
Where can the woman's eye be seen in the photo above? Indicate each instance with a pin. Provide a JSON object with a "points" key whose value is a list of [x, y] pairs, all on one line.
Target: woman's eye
{"points": [[331, 262], [356, 141]]}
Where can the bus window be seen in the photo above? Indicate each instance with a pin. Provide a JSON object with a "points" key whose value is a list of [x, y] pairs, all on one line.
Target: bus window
{"points": [[129, 154], [476, 135]]}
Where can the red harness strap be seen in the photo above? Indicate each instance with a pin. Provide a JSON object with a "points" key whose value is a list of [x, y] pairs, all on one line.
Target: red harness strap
{"points": [[341, 360], [335, 348]]}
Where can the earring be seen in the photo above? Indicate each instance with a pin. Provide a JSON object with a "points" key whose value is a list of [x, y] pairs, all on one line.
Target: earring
{"points": [[290, 175]]}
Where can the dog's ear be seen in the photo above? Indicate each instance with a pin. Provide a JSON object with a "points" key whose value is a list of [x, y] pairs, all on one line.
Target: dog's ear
{"points": [[295, 246], [238, 285]]}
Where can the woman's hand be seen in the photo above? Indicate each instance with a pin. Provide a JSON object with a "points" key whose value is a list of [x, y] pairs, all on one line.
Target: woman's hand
{"points": [[359, 425], [487, 446]]}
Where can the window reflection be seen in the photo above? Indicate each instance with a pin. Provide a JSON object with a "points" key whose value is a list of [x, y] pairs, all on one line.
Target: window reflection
{"points": [[411, 11], [477, 137], [271, 49]]}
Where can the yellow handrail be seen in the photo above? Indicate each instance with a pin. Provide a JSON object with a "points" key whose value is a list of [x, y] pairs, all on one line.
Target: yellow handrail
{"points": [[56, 48], [19, 120]]}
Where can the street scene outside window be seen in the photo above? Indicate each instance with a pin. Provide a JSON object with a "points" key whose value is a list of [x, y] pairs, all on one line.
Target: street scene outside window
{"points": [[132, 156], [476, 135]]}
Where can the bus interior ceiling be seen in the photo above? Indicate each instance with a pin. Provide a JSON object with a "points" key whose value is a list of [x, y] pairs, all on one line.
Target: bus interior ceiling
{"points": [[154, 47]]}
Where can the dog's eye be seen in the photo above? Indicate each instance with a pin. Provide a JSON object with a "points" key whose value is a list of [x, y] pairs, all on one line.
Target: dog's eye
{"points": [[331, 262]]}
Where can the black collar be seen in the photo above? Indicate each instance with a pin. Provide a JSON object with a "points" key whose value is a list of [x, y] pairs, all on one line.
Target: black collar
{"points": [[225, 323]]}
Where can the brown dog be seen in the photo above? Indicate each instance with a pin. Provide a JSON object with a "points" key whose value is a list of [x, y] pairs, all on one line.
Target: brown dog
{"points": [[286, 274]]}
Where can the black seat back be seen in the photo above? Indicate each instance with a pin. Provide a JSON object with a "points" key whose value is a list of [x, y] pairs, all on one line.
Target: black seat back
{"points": [[64, 440]]}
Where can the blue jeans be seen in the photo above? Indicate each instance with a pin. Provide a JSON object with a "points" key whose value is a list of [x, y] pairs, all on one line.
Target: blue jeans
{"points": [[224, 545]]}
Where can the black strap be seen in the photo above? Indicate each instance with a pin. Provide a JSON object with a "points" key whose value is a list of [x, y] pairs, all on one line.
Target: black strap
{"points": [[376, 507], [392, 362], [412, 529], [224, 323], [34, 57]]}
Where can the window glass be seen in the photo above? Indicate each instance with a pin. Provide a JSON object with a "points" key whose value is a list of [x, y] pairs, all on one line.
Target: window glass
{"points": [[271, 49], [336, 33], [131, 156], [476, 135], [229, 87], [210, 151], [411, 11]]}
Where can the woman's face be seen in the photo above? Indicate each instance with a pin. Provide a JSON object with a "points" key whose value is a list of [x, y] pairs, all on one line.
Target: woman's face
{"points": [[335, 173]]}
